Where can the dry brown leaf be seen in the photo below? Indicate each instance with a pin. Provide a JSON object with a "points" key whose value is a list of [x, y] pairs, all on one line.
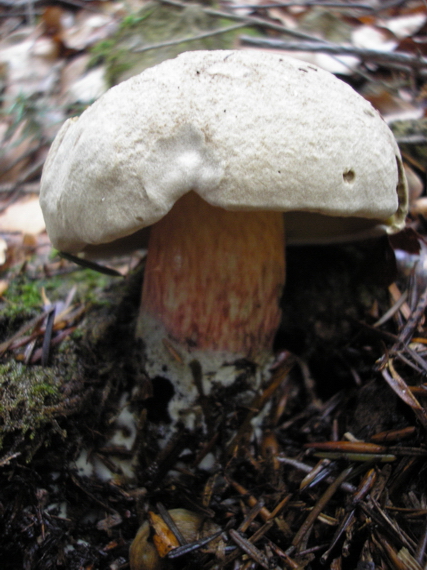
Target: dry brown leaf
{"points": [[415, 184], [24, 216], [374, 37], [16, 152], [4, 284], [87, 29], [391, 106], [3, 250], [406, 25], [78, 85], [29, 58]]}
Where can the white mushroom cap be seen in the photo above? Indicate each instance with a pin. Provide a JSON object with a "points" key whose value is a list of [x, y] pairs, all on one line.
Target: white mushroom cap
{"points": [[244, 129]]}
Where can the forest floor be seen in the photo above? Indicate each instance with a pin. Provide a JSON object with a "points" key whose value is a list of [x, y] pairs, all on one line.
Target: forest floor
{"points": [[334, 476]]}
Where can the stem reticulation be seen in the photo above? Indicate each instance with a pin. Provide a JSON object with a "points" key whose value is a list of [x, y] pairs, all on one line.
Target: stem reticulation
{"points": [[213, 278]]}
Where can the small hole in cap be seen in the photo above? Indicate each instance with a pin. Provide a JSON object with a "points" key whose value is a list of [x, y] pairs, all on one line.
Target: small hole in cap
{"points": [[349, 176]]}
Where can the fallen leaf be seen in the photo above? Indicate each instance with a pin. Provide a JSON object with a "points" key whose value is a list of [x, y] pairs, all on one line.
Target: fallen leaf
{"points": [[406, 25], [374, 37], [24, 216], [80, 85], [3, 250], [16, 151], [29, 58], [88, 28], [4, 284]]}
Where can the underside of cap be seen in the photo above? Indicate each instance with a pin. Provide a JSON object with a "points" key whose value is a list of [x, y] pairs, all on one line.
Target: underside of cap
{"points": [[244, 129]]}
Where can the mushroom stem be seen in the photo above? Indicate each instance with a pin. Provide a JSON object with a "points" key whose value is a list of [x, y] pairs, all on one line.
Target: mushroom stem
{"points": [[213, 280]]}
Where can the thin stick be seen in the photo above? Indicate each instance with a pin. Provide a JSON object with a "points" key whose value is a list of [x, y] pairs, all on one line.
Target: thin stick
{"points": [[338, 5], [249, 20], [318, 507], [190, 38], [389, 58]]}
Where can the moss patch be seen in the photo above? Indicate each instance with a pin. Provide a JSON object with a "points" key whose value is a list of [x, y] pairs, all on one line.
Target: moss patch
{"points": [[37, 402], [24, 295], [25, 394], [33, 400], [152, 35]]}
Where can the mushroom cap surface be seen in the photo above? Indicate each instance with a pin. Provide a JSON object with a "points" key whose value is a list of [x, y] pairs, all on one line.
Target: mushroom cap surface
{"points": [[244, 129]]}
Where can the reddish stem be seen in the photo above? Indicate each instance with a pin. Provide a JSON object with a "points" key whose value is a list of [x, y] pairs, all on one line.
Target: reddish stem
{"points": [[214, 278]]}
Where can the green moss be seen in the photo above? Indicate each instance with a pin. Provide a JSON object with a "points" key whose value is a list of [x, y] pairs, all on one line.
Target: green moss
{"points": [[39, 404], [155, 27], [90, 284], [24, 296], [132, 20], [27, 397]]}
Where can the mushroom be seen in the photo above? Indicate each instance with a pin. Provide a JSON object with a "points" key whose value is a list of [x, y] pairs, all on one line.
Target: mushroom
{"points": [[221, 153]]}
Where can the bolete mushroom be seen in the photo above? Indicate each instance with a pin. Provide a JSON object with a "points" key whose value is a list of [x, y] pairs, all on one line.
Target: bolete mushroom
{"points": [[211, 149]]}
